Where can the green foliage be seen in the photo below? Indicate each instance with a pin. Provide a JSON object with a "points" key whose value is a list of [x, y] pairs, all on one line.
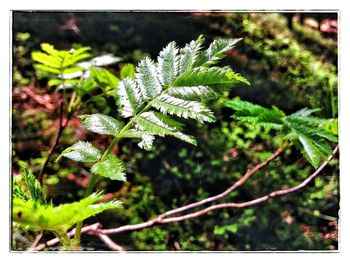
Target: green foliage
{"points": [[127, 70], [101, 124], [59, 62], [38, 216], [81, 152], [307, 77], [304, 131], [149, 90], [111, 167], [26, 187]]}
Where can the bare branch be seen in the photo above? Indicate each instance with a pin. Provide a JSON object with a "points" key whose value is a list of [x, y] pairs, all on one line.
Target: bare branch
{"points": [[160, 219], [255, 201], [36, 241], [109, 242], [95, 229]]}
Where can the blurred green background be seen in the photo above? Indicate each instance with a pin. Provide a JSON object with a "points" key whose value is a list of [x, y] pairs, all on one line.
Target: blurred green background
{"points": [[291, 62]]}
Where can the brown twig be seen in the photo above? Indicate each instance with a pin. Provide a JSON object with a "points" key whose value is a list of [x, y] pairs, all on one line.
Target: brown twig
{"points": [[103, 233], [161, 220], [36, 241], [109, 242], [61, 127], [252, 202]]}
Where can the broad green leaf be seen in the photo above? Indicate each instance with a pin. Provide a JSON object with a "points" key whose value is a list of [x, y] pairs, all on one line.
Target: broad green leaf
{"points": [[104, 78], [82, 152], [127, 71], [75, 57], [47, 68], [182, 108], [313, 154], [129, 98], [50, 49], [197, 93], [147, 79], [47, 60], [111, 167], [188, 55], [101, 124], [38, 216], [167, 66]]}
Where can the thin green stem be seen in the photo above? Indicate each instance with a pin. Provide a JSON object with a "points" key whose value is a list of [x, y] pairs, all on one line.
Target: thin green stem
{"points": [[64, 238]]}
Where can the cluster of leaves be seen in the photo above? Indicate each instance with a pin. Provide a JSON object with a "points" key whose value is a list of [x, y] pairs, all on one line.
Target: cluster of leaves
{"points": [[178, 84], [31, 210], [307, 76], [309, 134]]}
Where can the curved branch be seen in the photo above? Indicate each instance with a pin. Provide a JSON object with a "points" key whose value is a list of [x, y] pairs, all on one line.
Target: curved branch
{"points": [[252, 202], [102, 233]]}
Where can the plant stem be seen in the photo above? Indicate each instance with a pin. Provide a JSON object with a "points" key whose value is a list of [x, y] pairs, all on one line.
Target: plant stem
{"points": [[93, 179], [64, 238]]}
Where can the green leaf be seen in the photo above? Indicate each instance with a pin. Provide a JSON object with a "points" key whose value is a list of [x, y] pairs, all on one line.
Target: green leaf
{"points": [[188, 55], [38, 216], [47, 60], [182, 108], [146, 138], [255, 114], [167, 66], [161, 125], [101, 124], [197, 93], [127, 71], [50, 49], [216, 51], [26, 187], [81, 152], [147, 79], [220, 79], [104, 78], [76, 57], [47, 68], [111, 167], [305, 132], [129, 98], [146, 142]]}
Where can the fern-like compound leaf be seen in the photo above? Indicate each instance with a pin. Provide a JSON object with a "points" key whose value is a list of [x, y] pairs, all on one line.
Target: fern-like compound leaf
{"points": [[307, 133]]}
